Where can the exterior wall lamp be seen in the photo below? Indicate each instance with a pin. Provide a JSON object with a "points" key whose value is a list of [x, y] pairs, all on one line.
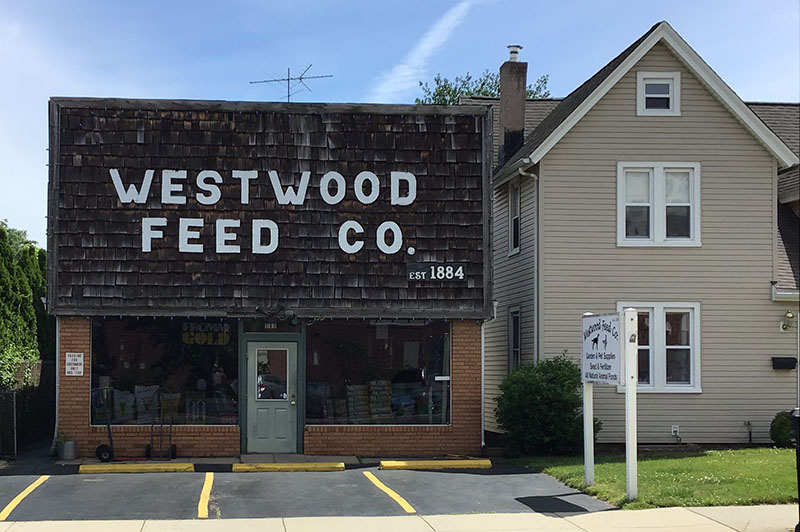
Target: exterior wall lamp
{"points": [[786, 322]]}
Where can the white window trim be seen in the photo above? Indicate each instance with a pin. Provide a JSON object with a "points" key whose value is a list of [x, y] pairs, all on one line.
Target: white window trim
{"points": [[658, 214], [675, 93], [658, 355], [511, 249], [509, 355]]}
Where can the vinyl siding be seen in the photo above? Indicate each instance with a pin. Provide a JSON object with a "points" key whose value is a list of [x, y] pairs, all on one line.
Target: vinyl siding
{"points": [[582, 268], [514, 285]]}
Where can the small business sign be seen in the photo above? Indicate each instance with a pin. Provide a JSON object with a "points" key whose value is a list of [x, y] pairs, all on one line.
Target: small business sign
{"points": [[74, 365], [600, 352]]}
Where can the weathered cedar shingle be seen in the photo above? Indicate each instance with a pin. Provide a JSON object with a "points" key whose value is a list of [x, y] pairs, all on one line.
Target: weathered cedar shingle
{"points": [[100, 263]]}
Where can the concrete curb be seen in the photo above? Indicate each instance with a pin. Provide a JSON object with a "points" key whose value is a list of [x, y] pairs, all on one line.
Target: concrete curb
{"points": [[184, 467], [136, 468], [436, 464], [278, 467]]}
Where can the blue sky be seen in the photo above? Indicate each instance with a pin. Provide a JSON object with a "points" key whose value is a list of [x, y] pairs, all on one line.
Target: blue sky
{"points": [[376, 50]]}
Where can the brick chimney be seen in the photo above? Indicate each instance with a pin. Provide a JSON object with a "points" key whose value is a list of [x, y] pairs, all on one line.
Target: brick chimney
{"points": [[513, 79]]}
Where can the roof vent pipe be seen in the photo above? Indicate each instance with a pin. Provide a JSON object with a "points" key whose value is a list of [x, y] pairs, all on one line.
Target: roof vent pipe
{"points": [[513, 52]]}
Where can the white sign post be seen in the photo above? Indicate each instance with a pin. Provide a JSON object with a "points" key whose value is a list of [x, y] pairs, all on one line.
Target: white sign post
{"points": [[602, 339], [599, 364], [630, 332]]}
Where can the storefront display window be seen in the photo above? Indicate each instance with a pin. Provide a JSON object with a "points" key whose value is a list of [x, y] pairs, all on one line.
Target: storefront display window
{"points": [[378, 372], [186, 369]]}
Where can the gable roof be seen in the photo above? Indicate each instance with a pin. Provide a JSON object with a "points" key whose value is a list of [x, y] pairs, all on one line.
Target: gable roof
{"points": [[536, 110], [783, 119], [572, 108]]}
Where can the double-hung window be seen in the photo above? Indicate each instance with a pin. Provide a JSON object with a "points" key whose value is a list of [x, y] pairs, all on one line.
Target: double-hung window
{"points": [[513, 217], [669, 346], [658, 204], [514, 338], [658, 93]]}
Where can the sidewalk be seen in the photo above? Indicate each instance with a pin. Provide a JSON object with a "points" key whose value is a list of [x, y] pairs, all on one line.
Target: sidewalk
{"points": [[780, 518]]}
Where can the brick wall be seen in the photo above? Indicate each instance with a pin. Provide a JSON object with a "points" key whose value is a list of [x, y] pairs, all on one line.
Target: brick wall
{"points": [[462, 436], [75, 336]]}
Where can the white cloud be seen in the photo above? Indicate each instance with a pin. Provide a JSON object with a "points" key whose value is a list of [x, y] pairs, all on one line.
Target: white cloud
{"points": [[394, 86]]}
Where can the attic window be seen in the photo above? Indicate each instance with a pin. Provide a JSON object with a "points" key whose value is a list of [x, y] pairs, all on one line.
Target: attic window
{"points": [[658, 93]]}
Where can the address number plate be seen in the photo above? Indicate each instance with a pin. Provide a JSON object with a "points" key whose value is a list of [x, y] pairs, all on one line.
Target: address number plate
{"points": [[437, 271]]}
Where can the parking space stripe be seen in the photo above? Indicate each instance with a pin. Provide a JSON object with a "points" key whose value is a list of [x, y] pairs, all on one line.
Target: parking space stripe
{"points": [[205, 494], [391, 493], [18, 499]]}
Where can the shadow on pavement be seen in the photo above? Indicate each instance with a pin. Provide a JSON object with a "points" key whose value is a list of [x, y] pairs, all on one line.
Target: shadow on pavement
{"points": [[35, 459], [551, 504]]}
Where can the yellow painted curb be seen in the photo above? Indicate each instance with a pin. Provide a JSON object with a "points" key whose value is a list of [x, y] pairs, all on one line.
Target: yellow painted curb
{"points": [[436, 464], [137, 468], [306, 466]]}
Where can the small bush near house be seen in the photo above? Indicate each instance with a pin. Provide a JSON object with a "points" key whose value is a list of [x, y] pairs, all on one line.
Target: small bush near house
{"points": [[539, 407], [780, 429]]}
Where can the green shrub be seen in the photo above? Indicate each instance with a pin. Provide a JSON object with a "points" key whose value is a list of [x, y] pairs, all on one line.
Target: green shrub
{"points": [[539, 407], [780, 429]]}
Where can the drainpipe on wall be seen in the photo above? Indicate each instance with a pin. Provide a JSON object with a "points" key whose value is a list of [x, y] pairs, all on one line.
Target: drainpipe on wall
{"points": [[58, 350], [483, 386]]}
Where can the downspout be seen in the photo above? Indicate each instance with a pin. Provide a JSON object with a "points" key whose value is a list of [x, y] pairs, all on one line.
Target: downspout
{"points": [[58, 351], [483, 390]]}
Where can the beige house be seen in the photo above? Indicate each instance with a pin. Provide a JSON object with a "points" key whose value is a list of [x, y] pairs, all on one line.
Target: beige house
{"points": [[652, 185]]}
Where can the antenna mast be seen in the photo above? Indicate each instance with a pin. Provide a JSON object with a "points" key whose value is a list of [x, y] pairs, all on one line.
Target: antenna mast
{"points": [[301, 79]]}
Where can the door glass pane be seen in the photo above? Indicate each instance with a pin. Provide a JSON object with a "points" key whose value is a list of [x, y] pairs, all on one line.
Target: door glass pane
{"points": [[656, 103], [656, 88], [678, 222], [271, 373], [678, 366], [637, 222], [677, 328], [676, 186], [637, 187]]}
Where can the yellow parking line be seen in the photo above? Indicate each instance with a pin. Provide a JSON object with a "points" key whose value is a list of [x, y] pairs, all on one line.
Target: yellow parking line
{"points": [[18, 499], [205, 494], [388, 491]]}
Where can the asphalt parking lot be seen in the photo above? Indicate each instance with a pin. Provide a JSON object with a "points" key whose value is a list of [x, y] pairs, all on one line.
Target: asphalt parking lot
{"points": [[357, 491]]}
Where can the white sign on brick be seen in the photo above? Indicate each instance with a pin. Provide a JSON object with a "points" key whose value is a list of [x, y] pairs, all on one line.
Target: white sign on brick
{"points": [[74, 365]]}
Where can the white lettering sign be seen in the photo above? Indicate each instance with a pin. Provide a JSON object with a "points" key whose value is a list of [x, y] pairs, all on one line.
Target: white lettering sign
{"points": [[332, 190], [73, 366], [600, 352]]}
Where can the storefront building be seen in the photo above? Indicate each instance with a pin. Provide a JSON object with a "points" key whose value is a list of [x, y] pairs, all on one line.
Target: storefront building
{"points": [[269, 277]]}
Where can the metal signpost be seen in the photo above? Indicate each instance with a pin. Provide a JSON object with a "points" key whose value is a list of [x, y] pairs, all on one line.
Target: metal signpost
{"points": [[603, 338]]}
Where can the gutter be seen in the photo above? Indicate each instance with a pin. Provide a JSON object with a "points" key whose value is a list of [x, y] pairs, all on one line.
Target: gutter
{"points": [[507, 173], [784, 294]]}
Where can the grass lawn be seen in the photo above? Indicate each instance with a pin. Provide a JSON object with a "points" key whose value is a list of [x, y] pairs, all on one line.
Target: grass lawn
{"points": [[702, 478]]}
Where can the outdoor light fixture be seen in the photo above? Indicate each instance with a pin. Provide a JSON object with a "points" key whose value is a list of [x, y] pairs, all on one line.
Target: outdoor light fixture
{"points": [[786, 322]]}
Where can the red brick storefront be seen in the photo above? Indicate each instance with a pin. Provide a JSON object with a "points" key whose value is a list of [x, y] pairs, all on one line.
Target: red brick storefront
{"points": [[462, 436], [129, 440]]}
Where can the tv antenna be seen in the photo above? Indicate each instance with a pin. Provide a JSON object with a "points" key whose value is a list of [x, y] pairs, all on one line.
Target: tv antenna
{"points": [[301, 80]]}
